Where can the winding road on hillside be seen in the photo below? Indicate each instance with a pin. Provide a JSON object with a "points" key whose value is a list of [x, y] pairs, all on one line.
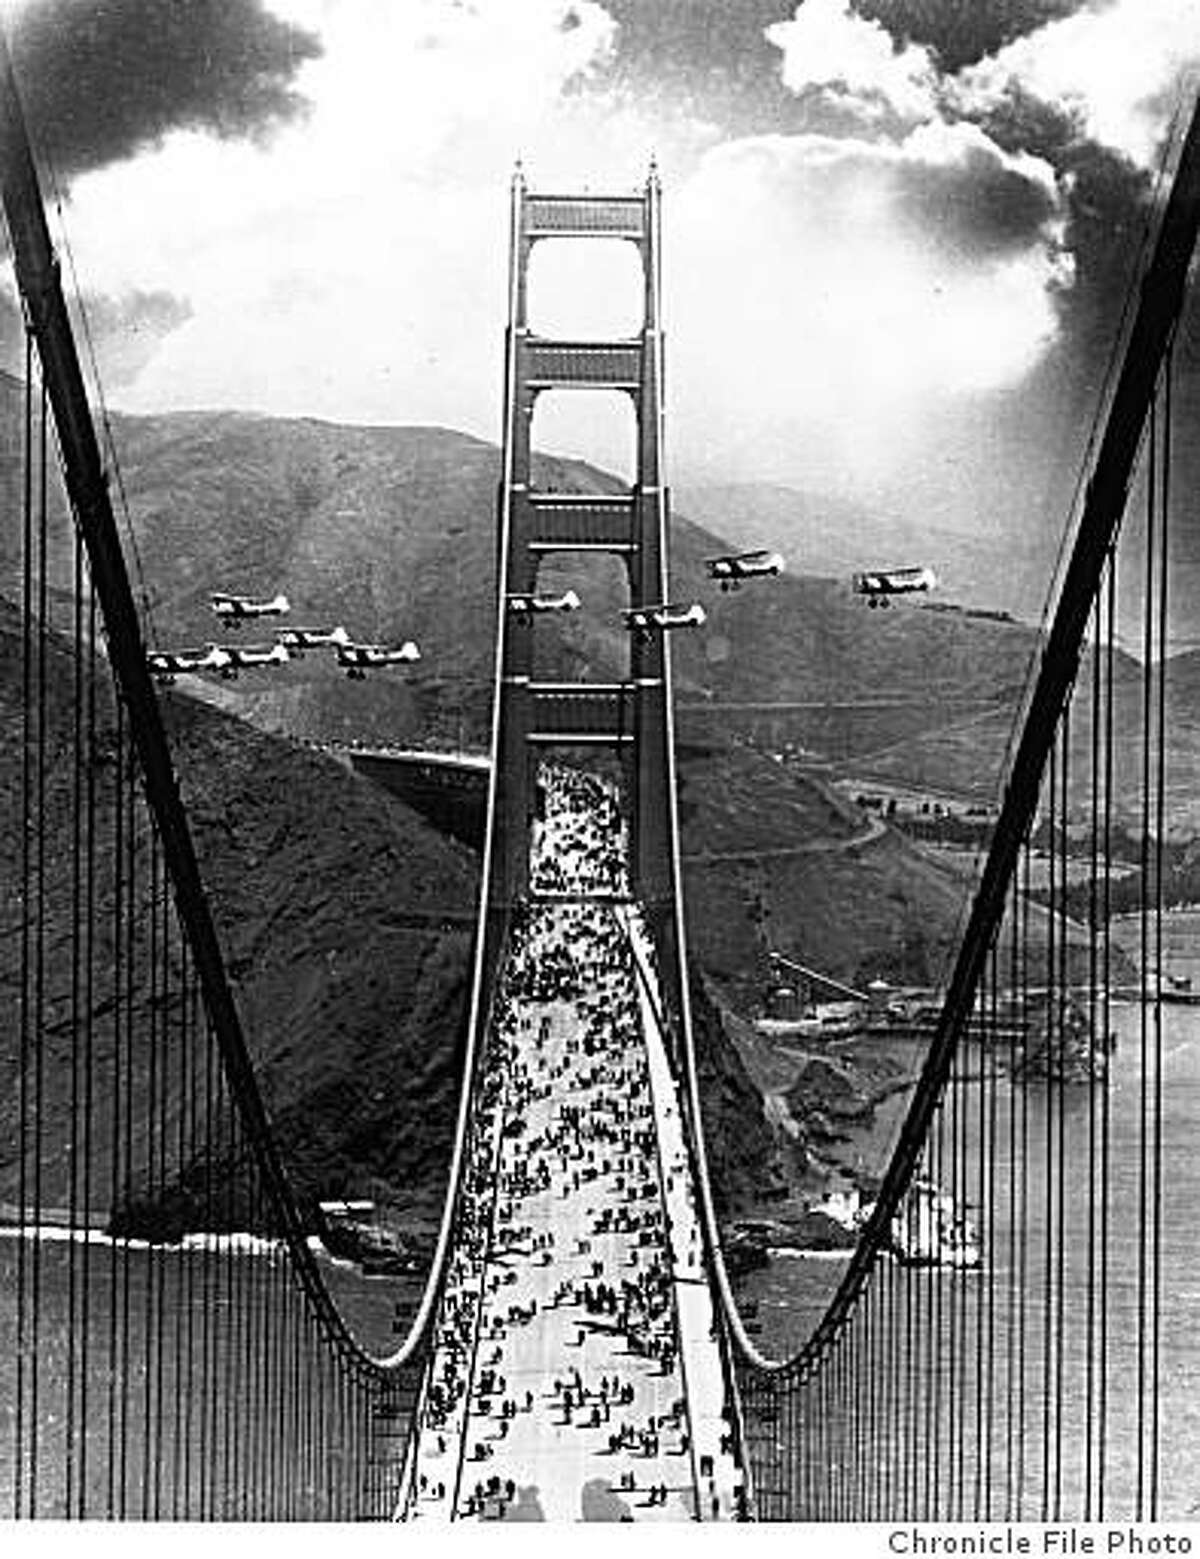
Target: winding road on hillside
{"points": [[875, 828]]}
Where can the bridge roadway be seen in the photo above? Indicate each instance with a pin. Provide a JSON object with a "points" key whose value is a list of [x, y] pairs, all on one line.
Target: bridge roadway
{"points": [[576, 1375]]}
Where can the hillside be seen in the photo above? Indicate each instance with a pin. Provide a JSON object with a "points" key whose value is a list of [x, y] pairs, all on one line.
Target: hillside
{"points": [[346, 920], [775, 862], [346, 924], [392, 532], [819, 534]]}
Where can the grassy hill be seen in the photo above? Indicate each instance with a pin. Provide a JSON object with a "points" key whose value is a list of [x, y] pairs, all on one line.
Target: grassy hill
{"points": [[346, 925], [392, 531], [819, 534], [345, 918]]}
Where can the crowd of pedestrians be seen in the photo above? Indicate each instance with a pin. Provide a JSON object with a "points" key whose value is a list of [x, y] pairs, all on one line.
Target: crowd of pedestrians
{"points": [[557, 1369], [580, 843]]}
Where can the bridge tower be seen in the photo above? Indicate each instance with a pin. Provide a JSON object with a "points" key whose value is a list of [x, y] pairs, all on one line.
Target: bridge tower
{"points": [[630, 717]]}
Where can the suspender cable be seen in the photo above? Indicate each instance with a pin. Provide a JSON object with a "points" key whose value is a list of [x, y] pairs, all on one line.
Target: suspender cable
{"points": [[75, 1338], [1160, 771], [1110, 596], [1095, 1047], [25, 1013], [1149, 973]]}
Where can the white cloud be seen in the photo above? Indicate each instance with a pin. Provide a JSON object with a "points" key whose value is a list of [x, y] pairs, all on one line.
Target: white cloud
{"points": [[828, 45], [841, 323], [354, 267], [824, 296], [1116, 66]]}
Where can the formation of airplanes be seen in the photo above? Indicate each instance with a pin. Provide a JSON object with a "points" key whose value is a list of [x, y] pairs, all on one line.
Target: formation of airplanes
{"points": [[227, 659], [356, 658], [353, 656], [729, 569]]}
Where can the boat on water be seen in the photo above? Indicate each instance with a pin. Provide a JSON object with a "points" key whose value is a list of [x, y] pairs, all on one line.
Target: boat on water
{"points": [[929, 1231], [1177, 988]]}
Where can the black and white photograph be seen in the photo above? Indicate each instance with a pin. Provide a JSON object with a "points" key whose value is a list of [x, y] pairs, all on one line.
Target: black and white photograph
{"points": [[600, 770]]}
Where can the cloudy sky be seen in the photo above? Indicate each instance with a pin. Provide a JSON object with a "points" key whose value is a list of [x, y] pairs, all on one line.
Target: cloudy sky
{"points": [[897, 232]]}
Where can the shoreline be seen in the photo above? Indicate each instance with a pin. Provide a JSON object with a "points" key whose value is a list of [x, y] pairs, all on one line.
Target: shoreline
{"points": [[237, 1243]]}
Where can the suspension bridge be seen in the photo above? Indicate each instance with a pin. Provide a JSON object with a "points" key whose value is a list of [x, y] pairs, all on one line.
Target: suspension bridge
{"points": [[577, 1351]]}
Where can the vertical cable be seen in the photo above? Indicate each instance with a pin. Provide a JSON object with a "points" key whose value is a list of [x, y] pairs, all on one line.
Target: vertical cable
{"points": [[74, 1297], [91, 1021], [228, 1301], [1050, 1045], [259, 1373], [181, 1372], [277, 1333], [149, 1168], [1064, 1062], [211, 1269], [880, 1449], [938, 1222], [29, 822], [1160, 750], [887, 1386], [987, 1366], [868, 1498], [165, 1266], [1149, 975], [1028, 1010], [114, 1145], [1017, 1008], [39, 967], [1160, 759], [1106, 1092], [922, 1474], [1095, 1046], [133, 958], [936, 1485], [857, 1395]]}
